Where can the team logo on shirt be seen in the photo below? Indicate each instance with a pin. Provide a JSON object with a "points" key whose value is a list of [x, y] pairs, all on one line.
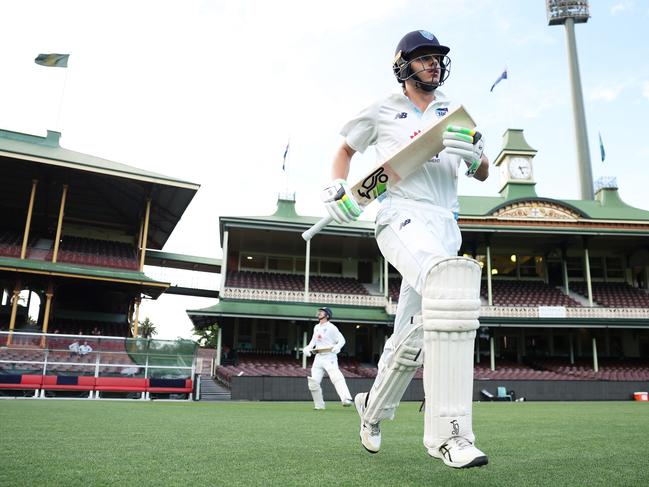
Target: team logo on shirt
{"points": [[441, 111], [415, 134], [401, 115]]}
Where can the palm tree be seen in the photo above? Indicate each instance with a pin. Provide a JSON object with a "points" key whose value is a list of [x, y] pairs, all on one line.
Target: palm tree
{"points": [[147, 328]]}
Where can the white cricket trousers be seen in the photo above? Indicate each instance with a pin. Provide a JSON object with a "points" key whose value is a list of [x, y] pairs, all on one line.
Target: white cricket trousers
{"points": [[324, 362], [411, 236]]}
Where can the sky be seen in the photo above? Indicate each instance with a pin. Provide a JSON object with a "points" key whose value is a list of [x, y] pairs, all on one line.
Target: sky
{"points": [[211, 91]]}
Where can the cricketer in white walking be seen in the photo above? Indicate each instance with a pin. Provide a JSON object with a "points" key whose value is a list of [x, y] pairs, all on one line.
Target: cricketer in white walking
{"points": [[326, 343], [417, 232]]}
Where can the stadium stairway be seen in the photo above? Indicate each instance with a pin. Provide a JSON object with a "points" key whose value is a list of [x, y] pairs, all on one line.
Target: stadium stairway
{"points": [[211, 391]]}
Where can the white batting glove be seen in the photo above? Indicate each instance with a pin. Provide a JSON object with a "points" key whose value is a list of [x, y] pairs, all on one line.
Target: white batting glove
{"points": [[335, 349], [306, 351], [340, 202], [466, 143]]}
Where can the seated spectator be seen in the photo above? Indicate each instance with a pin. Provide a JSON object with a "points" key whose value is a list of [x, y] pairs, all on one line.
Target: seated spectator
{"points": [[85, 349], [74, 348], [95, 331]]}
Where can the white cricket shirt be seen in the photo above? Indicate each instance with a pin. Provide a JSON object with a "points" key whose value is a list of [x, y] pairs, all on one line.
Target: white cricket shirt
{"points": [[392, 122], [326, 335]]}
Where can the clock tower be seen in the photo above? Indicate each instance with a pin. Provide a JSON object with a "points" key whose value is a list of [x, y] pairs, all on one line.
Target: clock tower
{"points": [[516, 168]]}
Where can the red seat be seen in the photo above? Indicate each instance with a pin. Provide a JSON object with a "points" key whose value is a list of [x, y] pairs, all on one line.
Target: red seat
{"points": [[84, 383], [121, 384]]}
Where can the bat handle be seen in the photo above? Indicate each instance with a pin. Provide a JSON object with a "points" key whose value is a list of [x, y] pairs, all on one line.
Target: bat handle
{"points": [[311, 232]]}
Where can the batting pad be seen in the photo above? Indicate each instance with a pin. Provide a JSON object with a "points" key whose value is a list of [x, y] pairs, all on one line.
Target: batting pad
{"points": [[338, 380], [316, 393], [394, 375], [450, 309]]}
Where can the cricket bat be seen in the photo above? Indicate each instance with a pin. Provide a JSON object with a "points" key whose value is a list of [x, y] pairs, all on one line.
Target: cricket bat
{"points": [[409, 158]]}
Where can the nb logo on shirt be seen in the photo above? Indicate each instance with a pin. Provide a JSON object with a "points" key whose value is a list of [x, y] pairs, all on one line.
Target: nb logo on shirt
{"points": [[404, 223], [401, 115]]}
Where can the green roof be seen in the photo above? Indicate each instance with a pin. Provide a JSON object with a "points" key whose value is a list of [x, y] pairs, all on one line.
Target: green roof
{"points": [[607, 205], [155, 288], [293, 311], [48, 151]]}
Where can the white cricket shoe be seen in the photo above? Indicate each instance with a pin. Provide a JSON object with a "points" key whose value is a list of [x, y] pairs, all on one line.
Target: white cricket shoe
{"points": [[347, 402], [458, 452], [370, 433]]}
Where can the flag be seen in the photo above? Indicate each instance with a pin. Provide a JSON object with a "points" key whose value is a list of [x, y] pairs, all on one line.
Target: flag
{"points": [[601, 147], [52, 60], [285, 153], [502, 76]]}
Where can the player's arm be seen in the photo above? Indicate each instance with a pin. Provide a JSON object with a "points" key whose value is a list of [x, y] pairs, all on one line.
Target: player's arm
{"points": [[340, 342], [342, 161], [337, 196]]}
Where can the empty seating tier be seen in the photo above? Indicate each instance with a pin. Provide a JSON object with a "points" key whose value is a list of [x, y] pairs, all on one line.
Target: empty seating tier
{"points": [[294, 282], [613, 294], [526, 293]]}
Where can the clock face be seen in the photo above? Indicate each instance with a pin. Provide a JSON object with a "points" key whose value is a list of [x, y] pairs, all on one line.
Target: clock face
{"points": [[520, 168]]}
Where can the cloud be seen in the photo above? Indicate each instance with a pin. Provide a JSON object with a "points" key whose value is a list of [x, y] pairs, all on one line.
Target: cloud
{"points": [[609, 92], [621, 6], [645, 90]]}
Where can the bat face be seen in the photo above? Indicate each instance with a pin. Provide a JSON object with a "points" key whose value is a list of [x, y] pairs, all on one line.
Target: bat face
{"points": [[424, 146]]}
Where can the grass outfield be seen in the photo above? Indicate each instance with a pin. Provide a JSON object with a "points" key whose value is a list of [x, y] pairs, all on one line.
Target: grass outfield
{"points": [[71, 442]]}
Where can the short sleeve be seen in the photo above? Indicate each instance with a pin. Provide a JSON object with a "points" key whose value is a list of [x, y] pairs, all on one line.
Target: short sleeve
{"points": [[361, 131]]}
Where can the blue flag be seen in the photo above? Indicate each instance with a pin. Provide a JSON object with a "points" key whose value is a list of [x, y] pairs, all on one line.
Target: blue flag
{"points": [[285, 153], [601, 147], [52, 60], [502, 76]]}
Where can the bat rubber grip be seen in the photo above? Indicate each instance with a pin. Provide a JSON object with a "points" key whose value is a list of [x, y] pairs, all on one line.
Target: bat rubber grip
{"points": [[311, 232]]}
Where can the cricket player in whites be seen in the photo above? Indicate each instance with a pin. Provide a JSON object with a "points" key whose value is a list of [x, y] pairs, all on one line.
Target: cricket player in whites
{"points": [[417, 232], [326, 343]]}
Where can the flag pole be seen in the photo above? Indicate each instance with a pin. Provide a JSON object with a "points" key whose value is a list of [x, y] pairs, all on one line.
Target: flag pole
{"points": [[60, 111]]}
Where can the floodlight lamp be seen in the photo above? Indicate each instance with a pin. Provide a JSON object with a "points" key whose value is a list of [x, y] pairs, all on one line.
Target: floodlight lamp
{"points": [[559, 11]]}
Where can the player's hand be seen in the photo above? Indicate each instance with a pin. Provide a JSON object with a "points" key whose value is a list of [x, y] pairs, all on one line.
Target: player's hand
{"points": [[335, 349], [466, 143], [340, 202], [306, 351]]}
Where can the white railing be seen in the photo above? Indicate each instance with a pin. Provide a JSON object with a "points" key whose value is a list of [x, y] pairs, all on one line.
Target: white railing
{"points": [[298, 296], [562, 312], [391, 306]]}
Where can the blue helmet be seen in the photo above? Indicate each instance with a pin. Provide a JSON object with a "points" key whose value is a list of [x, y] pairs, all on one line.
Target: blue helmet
{"points": [[327, 311], [424, 42]]}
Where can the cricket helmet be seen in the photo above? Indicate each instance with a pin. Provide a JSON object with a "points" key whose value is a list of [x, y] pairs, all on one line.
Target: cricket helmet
{"points": [[419, 42], [327, 311]]}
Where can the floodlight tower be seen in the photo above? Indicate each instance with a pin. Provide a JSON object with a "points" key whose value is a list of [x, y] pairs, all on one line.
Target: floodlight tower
{"points": [[569, 13]]}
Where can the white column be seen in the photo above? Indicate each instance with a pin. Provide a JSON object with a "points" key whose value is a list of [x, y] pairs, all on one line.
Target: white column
{"points": [[566, 281], [492, 355], [595, 363], [489, 293], [572, 350], [588, 282], [304, 344], [219, 345], [224, 263], [307, 270]]}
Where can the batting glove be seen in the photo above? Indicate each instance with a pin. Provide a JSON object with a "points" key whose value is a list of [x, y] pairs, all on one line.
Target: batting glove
{"points": [[306, 351], [340, 202], [466, 143]]}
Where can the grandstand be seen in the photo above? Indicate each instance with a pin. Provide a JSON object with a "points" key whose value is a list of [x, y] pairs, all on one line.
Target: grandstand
{"points": [[564, 294], [73, 245]]}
